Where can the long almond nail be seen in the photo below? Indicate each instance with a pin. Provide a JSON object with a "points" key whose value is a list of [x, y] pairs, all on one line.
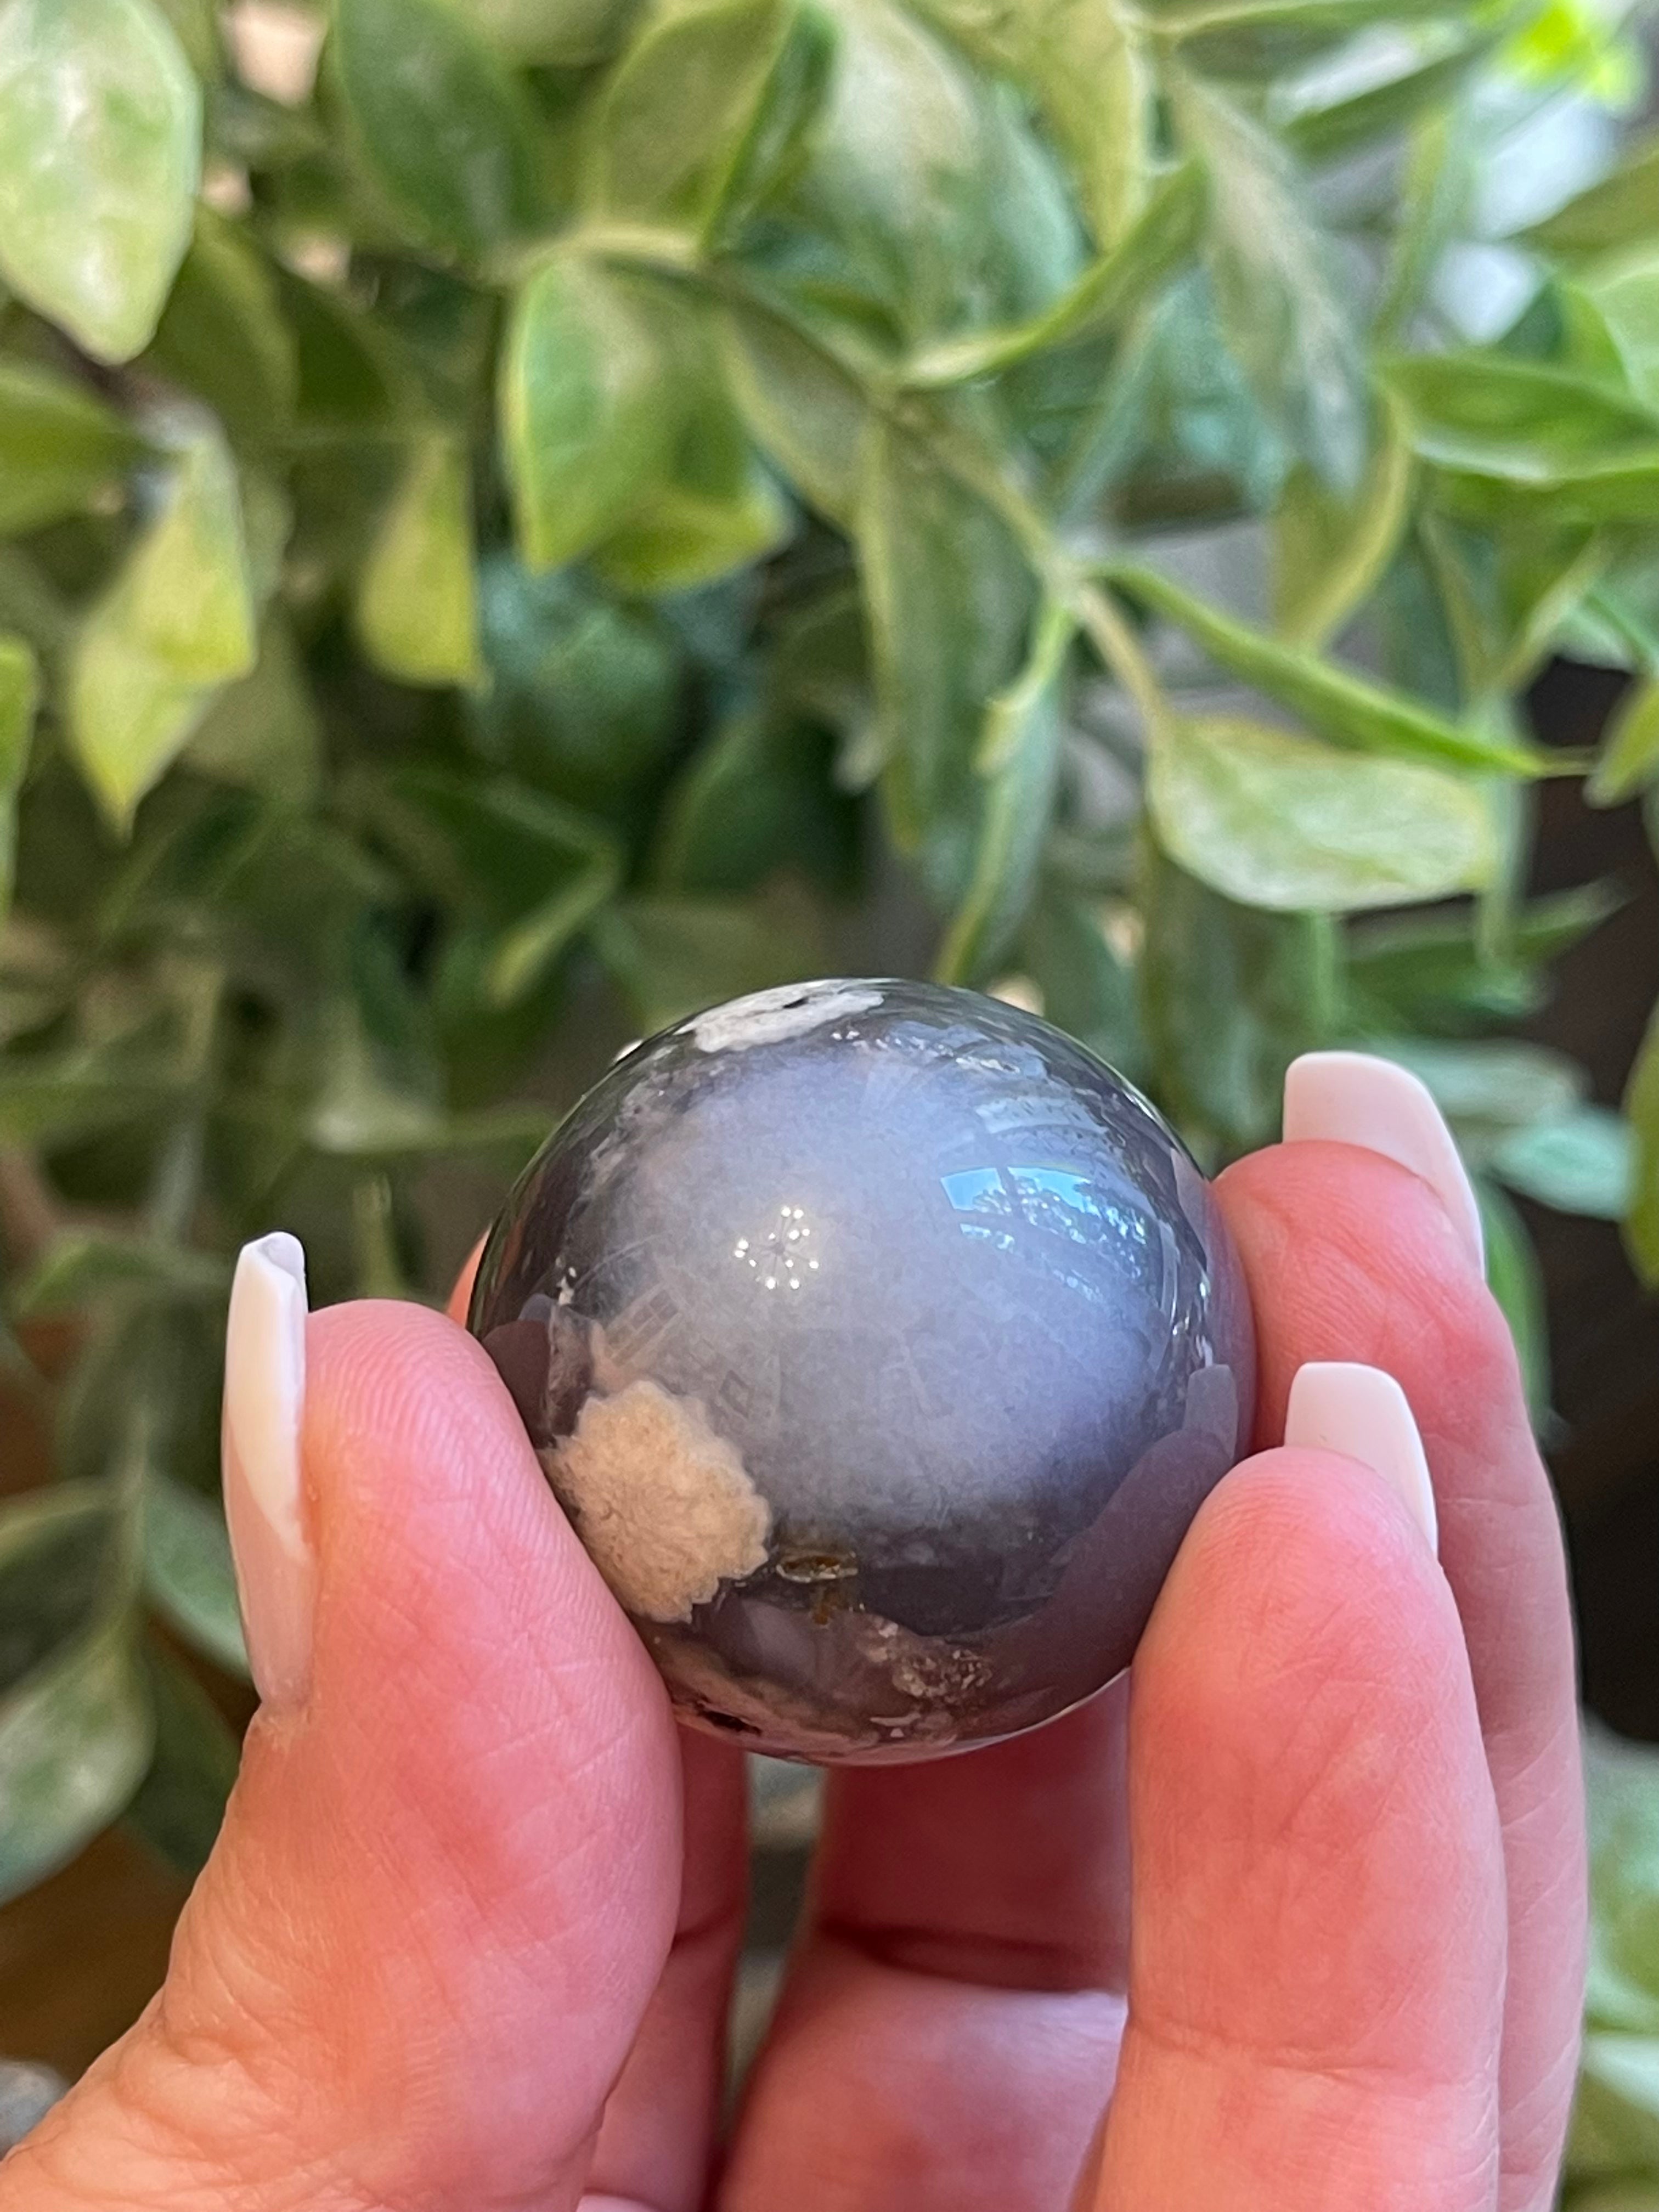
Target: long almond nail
{"points": [[1362, 1413], [1355, 1099], [264, 1397]]}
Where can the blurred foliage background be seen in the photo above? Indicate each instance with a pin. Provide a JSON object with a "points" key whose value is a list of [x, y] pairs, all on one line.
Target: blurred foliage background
{"points": [[519, 520]]}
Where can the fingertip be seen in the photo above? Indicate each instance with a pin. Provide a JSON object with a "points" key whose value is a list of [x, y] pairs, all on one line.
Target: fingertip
{"points": [[1306, 1764], [1352, 1257], [1306, 1655], [1361, 1099], [396, 1390], [447, 1570], [1344, 1406], [1298, 1549]]}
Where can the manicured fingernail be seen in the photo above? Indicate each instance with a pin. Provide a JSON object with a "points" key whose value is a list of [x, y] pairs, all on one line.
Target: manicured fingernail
{"points": [[1362, 1413], [264, 1397], [1354, 1098]]}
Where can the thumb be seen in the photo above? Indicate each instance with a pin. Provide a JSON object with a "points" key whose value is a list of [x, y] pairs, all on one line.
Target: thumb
{"points": [[448, 1873]]}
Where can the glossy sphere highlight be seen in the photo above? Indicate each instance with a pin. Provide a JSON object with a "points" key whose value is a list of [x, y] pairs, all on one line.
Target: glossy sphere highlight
{"points": [[881, 1344]]}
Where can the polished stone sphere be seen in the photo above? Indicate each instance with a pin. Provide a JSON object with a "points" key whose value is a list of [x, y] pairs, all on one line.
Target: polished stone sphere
{"points": [[881, 1344]]}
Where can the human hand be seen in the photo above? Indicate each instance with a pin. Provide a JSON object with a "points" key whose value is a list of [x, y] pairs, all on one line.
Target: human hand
{"points": [[1310, 1889]]}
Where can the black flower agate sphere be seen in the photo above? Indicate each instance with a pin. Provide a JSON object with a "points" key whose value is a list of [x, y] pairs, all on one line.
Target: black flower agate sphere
{"points": [[880, 1344]]}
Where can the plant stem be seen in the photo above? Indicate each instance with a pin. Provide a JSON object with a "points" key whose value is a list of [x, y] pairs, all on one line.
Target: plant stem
{"points": [[1112, 636], [176, 1187], [1065, 579]]}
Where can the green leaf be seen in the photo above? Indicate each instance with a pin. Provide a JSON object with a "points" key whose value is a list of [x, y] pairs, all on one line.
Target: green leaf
{"points": [[196, 24], [778, 143], [1019, 759], [1437, 971], [188, 1576], [582, 693], [1083, 63], [100, 119], [63, 1100], [223, 333], [1247, 38], [80, 1265], [20, 694], [1619, 488], [74, 1739], [1514, 1279], [62, 450], [1489, 1088], [674, 116], [948, 599], [487, 845], [1275, 286], [74, 1727], [1087, 990], [1508, 590], [820, 673], [177, 623], [60, 1566], [346, 376], [1580, 1164], [263, 733], [444, 131], [1616, 212], [1616, 305], [682, 538], [585, 416], [1107, 294], [267, 527], [1640, 1106], [181, 1803], [929, 206], [527, 952], [671, 957], [1329, 552], [1522, 422], [1629, 751], [1436, 208], [569, 33], [531, 872], [183, 593], [1615, 2122], [1276, 821], [1324, 129], [1605, 2196], [1228, 997], [715, 509], [417, 603], [757, 800], [377, 1083], [1623, 1806], [803, 409], [1341, 705]]}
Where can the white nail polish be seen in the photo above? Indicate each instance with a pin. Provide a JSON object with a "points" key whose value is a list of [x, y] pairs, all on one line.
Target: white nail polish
{"points": [[263, 1400], [1362, 1413], [1355, 1099]]}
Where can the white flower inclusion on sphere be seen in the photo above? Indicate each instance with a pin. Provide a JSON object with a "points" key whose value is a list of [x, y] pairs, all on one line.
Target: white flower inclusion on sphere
{"points": [[881, 1344]]}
